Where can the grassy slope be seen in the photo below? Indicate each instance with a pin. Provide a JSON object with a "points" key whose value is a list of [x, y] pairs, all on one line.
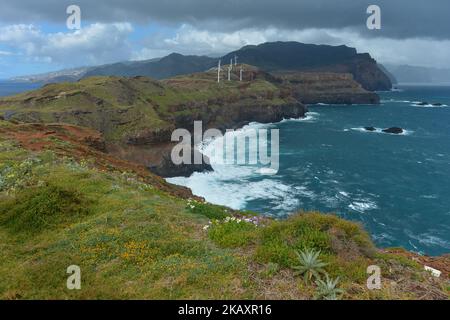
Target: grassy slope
{"points": [[133, 240], [120, 107]]}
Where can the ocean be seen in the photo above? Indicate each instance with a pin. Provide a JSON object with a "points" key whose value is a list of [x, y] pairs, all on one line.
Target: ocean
{"points": [[11, 87], [397, 186]]}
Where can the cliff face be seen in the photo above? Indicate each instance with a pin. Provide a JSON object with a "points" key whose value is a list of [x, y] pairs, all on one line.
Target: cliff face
{"points": [[294, 56], [137, 116], [329, 88], [366, 71]]}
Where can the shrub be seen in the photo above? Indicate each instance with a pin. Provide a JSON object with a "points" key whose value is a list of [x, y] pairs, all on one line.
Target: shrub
{"points": [[275, 251], [232, 232], [208, 210], [41, 207]]}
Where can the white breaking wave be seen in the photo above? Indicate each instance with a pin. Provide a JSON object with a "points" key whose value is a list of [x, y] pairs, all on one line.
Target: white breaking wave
{"points": [[396, 101], [362, 206], [309, 117], [235, 185], [428, 105], [380, 130], [428, 239]]}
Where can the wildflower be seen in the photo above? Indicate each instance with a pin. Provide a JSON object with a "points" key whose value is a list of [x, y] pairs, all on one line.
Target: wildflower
{"points": [[206, 227]]}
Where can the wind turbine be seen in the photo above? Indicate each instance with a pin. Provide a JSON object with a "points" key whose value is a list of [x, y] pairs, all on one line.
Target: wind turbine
{"points": [[235, 60], [218, 72], [230, 67]]}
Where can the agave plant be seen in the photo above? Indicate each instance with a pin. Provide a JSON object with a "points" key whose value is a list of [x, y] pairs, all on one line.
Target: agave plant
{"points": [[310, 265], [328, 289]]}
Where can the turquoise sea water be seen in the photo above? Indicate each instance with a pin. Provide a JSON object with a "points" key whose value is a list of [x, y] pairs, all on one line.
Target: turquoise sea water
{"points": [[398, 186]]}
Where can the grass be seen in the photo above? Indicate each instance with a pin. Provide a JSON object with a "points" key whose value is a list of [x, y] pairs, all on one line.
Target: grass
{"points": [[42, 207], [327, 233], [233, 233], [134, 241], [123, 108], [128, 233]]}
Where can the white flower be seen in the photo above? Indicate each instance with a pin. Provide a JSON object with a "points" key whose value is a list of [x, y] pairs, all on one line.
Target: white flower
{"points": [[206, 227]]}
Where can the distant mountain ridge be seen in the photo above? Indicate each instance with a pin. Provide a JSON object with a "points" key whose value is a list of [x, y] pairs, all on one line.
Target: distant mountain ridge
{"points": [[172, 65], [55, 76], [415, 74], [270, 56]]}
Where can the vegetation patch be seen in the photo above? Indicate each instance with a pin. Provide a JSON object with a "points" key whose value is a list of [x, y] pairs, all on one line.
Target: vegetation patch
{"points": [[207, 210], [43, 207], [127, 229], [232, 232]]}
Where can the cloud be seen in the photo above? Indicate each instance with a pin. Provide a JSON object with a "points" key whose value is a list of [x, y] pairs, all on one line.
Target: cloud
{"points": [[413, 32], [400, 18], [94, 44], [191, 40]]}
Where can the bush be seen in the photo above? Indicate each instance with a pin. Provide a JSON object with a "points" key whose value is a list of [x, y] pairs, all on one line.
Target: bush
{"points": [[208, 210], [37, 208], [326, 233], [232, 232]]}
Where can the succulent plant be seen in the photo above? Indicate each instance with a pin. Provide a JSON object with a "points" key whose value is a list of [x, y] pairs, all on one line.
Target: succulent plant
{"points": [[327, 289], [309, 265]]}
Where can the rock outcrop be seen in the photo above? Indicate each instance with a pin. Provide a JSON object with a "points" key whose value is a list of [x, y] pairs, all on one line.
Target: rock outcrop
{"points": [[295, 56], [393, 130], [328, 88]]}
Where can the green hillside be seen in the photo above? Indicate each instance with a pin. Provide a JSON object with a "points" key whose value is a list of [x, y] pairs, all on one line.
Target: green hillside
{"points": [[122, 108], [63, 202]]}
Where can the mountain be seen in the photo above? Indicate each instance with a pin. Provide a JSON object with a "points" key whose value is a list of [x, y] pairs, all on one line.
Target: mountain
{"points": [[166, 67], [272, 56], [289, 56], [390, 75], [415, 74], [158, 68]]}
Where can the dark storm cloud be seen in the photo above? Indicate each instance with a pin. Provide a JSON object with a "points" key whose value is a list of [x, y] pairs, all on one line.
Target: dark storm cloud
{"points": [[400, 18]]}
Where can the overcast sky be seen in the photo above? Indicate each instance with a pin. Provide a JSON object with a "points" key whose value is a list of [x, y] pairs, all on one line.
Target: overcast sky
{"points": [[34, 37]]}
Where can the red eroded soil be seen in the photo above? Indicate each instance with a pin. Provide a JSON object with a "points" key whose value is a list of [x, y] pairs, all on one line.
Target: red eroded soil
{"points": [[81, 144]]}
